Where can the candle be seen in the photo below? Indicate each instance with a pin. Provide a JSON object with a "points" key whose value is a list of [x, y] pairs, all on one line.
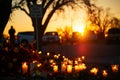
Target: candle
{"points": [[69, 68], [83, 57], [76, 67], [94, 71], [75, 62], [82, 66], [63, 67], [79, 59], [48, 54], [104, 72], [40, 52], [55, 68], [24, 67], [115, 68], [56, 56], [39, 65]]}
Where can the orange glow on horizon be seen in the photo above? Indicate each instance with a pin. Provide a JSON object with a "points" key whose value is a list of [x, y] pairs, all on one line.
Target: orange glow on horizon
{"points": [[80, 29], [75, 18]]}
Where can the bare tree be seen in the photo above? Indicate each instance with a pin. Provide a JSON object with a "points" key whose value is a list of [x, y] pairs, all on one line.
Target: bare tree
{"points": [[115, 22], [48, 8], [65, 34], [99, 17]]}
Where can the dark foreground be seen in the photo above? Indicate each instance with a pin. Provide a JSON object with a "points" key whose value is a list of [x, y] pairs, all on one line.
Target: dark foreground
{"points": [[82, 75], [104, 58], [101, 53]]}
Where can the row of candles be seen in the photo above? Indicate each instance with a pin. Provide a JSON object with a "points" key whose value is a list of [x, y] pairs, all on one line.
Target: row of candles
{"points": [[77, 68], [80, 67], [67, 65], [105, 73], [70, 66]]}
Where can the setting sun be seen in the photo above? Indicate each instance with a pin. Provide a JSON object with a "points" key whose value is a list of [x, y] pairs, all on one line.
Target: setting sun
{"points": [[79, 28]]}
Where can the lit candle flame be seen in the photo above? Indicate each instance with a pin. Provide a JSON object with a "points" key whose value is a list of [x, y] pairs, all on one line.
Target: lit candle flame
{"points": [[104, 73], [69, 68], [48, 54], [63, 67], [24, 67], [55, 68], [115, 68], [94, 71]]}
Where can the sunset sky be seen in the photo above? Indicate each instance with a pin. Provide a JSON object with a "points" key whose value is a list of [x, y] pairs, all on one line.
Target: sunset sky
{"points": [[21, 22]]}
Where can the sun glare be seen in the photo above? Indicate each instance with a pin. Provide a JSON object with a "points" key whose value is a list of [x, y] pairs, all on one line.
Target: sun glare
{"points": [[79, 29]]}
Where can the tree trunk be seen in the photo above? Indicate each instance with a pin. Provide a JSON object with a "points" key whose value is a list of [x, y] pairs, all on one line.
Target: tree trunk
{"points": [[39, 32]]}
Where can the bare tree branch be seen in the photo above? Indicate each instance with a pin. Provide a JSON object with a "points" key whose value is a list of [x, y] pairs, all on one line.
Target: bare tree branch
{"points": [[22, 9]]}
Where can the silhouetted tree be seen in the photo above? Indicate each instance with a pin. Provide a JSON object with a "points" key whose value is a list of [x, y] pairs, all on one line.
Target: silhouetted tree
{"points": [[5, 10], [65, 34], [48, 7], [115, 22], [99, 17]]}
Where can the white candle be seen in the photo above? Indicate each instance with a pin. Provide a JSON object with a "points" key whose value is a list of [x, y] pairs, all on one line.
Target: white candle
{"points": [[24, 67], [104, 72], [69, 68], [48, 54], [94, 71], [76, 67], [55, 68], [82, 66], [115, 68], [63, 67]]}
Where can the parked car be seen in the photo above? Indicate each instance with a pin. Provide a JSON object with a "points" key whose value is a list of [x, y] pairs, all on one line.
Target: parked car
{"points": [[27, 36], [48, 37], [51, 37], [113, 35]]}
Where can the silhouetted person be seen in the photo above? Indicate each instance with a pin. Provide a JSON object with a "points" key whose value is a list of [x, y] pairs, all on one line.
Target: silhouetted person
{"points": [[12, 35]]}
